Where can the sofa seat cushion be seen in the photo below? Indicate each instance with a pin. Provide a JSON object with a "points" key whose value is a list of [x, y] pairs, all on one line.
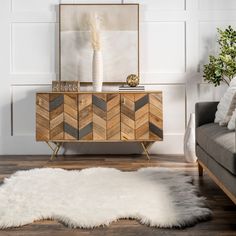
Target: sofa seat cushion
{"points": [[219, 143]]}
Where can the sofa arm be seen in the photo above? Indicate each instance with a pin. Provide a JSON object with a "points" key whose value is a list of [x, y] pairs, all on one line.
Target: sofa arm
{"points": [[205, 112]]}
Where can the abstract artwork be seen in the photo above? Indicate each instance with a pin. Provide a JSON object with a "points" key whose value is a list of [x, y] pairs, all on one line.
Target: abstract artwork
{"points": [[119, 35]]}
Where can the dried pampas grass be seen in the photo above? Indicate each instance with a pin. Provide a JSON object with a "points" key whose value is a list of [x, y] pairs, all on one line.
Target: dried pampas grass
{"points": [[95, 33]]}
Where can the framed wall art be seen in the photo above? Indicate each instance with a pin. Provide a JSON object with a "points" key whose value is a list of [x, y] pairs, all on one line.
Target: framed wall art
{"points": [[112, 28]]}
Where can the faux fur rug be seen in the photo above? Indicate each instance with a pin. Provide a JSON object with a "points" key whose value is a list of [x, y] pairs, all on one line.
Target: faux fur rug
{"points": [[97, 196]]}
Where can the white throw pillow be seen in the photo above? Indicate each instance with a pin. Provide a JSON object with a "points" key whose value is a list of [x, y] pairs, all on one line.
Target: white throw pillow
{"points": [[226, 107], [231, 124], [233, 82]]}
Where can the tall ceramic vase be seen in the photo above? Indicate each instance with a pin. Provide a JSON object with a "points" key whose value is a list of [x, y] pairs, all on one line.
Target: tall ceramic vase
{"points": [[97, 68], [189, 140]]}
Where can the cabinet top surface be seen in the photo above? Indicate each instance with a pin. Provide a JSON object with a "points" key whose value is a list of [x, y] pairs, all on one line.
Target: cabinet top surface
{"points": [[105, 92]]}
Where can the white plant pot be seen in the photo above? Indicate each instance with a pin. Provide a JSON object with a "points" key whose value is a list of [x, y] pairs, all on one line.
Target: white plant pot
{"points": [[97, 71], [189, 140]]}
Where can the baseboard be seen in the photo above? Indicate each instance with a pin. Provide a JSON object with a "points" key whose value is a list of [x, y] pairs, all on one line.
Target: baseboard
{"points": [[26, 145]]}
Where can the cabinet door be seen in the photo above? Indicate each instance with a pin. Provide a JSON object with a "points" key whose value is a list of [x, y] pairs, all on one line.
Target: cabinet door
{"points": [[56, 108], [70, 117], [85, 113], [135, 116], [106, 116], [42, 117], [156, 116]]}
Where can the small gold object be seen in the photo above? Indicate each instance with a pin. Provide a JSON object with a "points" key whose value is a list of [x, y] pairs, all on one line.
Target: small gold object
{"points": [[65, 86], [132, 80]]}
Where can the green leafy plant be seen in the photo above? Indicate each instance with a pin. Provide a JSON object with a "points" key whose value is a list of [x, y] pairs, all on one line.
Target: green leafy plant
{"points": [[222, 68]]}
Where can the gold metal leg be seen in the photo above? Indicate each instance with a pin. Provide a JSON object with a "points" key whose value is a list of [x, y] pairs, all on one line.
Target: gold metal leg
{"points": [[55, 149], [58, 148], [50, 145], [145, 150]]}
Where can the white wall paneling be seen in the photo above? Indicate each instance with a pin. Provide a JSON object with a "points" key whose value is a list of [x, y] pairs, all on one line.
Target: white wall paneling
{"points": [[162, 47], [176, 37], [96, 1], [33, 5], [217, 5], [33, 48], [208, 35], [208, 92], [23, 104], [5, 89], [168, 5]]}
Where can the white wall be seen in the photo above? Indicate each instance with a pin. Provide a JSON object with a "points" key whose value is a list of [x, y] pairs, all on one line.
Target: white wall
{"points": [[176, 37]]}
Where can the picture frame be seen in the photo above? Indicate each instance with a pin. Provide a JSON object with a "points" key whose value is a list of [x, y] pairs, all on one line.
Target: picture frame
{"points": [[65, 86], [120, 42]]}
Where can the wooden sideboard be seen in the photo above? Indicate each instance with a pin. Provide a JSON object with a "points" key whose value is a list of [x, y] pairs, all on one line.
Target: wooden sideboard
{"points": [[98, 116]]}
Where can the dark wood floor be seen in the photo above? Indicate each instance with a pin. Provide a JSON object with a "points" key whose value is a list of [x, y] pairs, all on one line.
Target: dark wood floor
{"points": [[224, 211]]}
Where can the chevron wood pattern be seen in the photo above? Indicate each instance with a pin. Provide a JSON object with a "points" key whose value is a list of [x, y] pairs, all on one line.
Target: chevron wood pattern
{"points": [[99, 116], [56, 108], [71, 117], [155, 116], [141, 116], [127, 116], [113, 117], [135, 116], [85, 109], [42, 117]]}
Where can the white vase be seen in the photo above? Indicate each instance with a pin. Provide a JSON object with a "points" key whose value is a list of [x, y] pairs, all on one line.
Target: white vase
{"points": [[97, 73], [189, 140]]}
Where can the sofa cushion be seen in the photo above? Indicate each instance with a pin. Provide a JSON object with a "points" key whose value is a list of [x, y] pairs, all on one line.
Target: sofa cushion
{"points": [[219, 143]]}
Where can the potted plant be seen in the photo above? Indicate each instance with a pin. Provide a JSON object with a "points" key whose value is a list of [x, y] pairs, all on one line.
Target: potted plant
{"points": [[222, 68]]}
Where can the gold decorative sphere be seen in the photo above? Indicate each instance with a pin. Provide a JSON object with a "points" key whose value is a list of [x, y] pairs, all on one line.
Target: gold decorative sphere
{"points": [[132, 80]]}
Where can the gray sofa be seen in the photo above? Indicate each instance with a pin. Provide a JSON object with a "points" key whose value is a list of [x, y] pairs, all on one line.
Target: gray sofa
{"points": [[215, 149]]}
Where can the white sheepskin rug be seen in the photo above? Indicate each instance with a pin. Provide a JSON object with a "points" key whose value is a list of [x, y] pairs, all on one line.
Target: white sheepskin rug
{"points": [[97, 196]]}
